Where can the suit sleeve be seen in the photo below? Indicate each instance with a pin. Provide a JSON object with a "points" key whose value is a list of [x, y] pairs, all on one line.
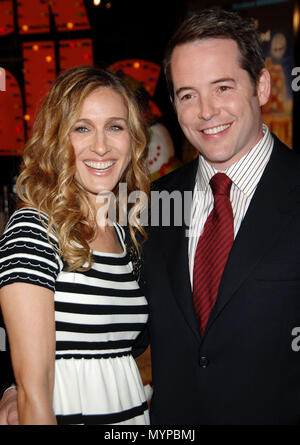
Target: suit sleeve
{"points": [[6, 372]]}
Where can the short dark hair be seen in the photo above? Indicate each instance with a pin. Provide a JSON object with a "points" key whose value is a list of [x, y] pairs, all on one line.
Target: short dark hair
{"points": [[219, 23]]}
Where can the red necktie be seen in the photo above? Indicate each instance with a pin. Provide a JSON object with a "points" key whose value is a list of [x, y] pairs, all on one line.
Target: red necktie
{"points": [[213, 249]]}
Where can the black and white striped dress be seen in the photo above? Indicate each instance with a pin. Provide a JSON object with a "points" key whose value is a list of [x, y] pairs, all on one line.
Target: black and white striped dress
{"points": [[98, 315]]}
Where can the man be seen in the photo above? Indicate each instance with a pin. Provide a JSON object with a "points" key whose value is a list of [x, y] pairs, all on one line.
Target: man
{"points": [[224, 286], [229, 360]]}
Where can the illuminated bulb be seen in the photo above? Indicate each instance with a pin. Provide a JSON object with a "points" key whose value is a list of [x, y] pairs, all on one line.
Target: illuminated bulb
{"points": [[296, 19], [35, 47], [70, 25], [26, 117], [108, 5], [48, 59], [25, 28], [136, 65], [97, 2]]}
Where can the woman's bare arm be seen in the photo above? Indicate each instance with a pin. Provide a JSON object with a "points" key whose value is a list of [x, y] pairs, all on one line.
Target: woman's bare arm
{"points": [[28, 312]]}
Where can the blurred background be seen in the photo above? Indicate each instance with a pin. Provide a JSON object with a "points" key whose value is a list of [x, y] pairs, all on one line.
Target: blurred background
{"points": [[41, 38]]}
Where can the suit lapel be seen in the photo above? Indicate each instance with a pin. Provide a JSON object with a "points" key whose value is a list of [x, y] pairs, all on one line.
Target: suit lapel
{"points": [[269, 210], [176, 251]]}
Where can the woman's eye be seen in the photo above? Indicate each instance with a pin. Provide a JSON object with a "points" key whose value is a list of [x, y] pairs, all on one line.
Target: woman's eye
{"points": [[81, 129], [115, 128]]}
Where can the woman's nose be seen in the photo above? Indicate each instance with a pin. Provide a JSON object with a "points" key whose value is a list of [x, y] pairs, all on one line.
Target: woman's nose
{"points": [[100, 144]]}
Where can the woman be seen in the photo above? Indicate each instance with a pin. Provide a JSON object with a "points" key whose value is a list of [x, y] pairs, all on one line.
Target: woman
{"points": [[69, 297]]}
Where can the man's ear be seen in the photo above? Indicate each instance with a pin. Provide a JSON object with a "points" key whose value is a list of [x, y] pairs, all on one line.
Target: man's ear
{"points": [[172, 99], [263, 87]]}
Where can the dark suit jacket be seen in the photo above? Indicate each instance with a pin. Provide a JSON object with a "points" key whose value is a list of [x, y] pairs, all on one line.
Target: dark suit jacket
{"points": [[243, 370]]}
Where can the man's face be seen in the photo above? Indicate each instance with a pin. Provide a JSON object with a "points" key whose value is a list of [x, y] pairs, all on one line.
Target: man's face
{"points": [[215, 100]]}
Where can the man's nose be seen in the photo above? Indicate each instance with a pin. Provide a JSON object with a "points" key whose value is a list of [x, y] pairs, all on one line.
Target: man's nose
{"points": [[207, 108]]}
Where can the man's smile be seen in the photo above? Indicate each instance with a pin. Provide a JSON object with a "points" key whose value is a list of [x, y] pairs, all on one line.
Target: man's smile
{"points": [[216, 130]]}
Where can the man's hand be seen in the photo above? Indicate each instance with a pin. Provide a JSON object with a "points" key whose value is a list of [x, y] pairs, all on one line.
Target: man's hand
{"points": [[9, 408]]}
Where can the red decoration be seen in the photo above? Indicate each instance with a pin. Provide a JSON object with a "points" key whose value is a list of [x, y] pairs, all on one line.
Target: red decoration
{"points": [[69, 15], [75, 52], [39, 61], [39, 73], [146, 73], [33, 17], [6, 17], [11, 118]]}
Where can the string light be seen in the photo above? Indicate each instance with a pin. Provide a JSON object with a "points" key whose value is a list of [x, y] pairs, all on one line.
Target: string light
{"points": [[26, 117], [48, 59], [97, 2], [296, 19], [25, 28], [35, 47], [70, 25]]}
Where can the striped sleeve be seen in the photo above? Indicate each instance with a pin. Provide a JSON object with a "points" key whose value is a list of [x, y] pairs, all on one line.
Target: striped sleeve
{"points": [[25, 252]]}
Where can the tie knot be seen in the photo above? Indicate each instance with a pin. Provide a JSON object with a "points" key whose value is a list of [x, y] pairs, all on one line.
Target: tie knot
{"points": [[220, 184]]}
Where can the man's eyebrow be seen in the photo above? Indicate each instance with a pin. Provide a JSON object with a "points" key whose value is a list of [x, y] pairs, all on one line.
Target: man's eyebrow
{"points": [[180, 90], [224, 79]]}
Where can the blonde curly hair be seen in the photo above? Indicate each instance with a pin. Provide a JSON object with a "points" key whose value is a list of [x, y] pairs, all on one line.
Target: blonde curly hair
{"points": [[47, 178]]}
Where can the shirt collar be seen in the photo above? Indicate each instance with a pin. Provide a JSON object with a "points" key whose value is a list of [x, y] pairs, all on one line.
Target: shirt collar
{"points": [[243, 172]]}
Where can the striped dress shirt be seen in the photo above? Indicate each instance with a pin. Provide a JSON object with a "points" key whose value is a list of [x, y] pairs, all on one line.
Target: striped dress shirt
{"points": [[245, 175]]}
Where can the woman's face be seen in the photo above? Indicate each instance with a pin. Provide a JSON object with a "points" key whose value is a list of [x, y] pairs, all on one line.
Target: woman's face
{"points": [[101, 141]]}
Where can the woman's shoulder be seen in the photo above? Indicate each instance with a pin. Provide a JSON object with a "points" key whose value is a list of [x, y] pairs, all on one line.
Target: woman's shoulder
{"points": [[28, 215], [27, 252], [31, 222]]}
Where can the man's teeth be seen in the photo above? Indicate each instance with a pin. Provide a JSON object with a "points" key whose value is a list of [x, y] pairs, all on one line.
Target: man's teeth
{"points": [[99, 165], [216, 130]]}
